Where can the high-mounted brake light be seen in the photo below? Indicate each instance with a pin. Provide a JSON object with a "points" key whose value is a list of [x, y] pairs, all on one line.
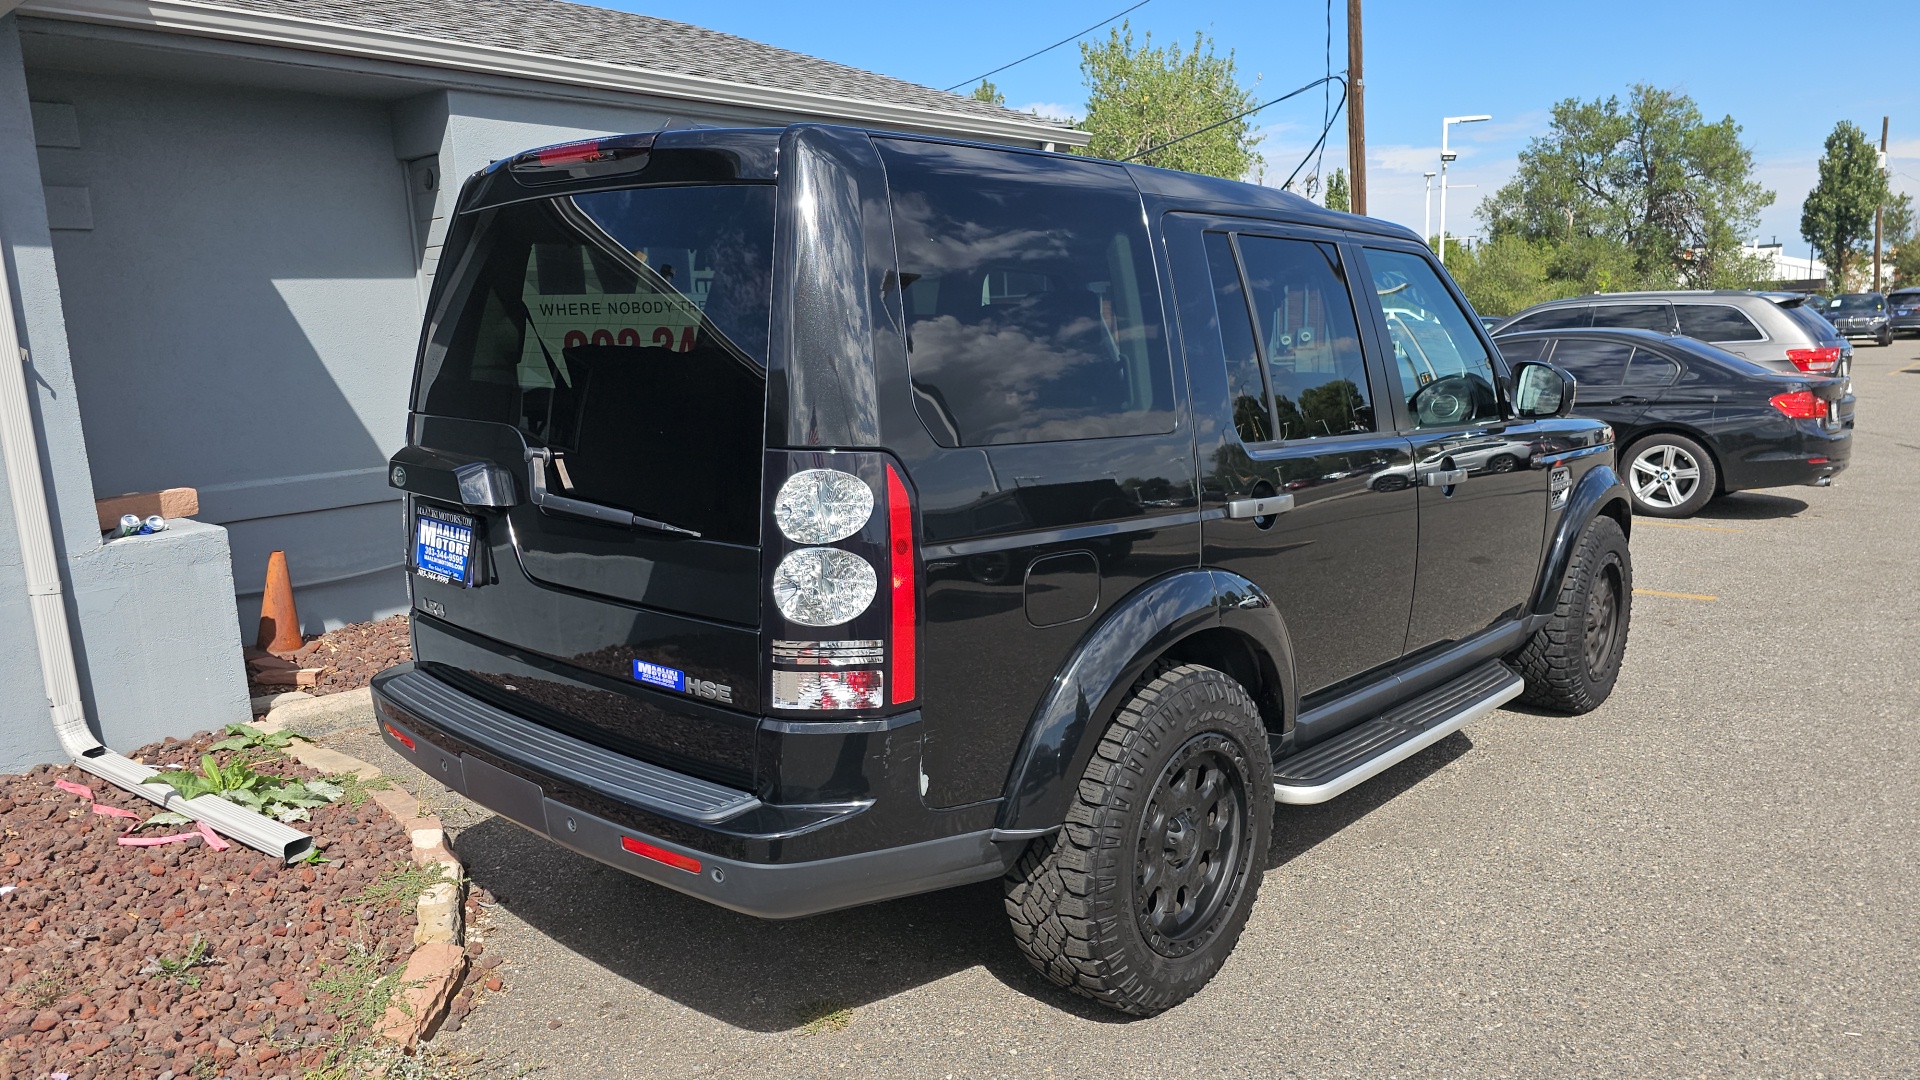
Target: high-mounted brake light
{"points": [[901, 565], [1800, 405], [586, 157], [661, 855], [1815, 361]]}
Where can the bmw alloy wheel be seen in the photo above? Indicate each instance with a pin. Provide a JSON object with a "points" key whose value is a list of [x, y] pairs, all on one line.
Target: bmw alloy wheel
{"points": [[1664, 476]]}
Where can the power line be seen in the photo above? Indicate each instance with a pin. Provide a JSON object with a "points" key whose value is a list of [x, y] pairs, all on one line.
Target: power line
{"points": [[981, 78], [1255, 109]]}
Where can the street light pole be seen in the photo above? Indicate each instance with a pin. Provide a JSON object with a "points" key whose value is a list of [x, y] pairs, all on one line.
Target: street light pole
{"points": [[1880, 210], [1446, 155], [1426, 227]]}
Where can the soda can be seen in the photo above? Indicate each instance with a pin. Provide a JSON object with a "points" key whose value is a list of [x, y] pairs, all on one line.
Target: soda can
{"points": [[155, 524], [129, 525]]}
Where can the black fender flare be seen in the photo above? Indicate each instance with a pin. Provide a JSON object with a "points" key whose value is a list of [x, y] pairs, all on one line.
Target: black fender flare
{"points": [[1599, 487], [1092, 684]]}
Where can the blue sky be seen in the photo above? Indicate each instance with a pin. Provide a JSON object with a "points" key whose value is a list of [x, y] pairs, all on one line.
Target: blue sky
{"points": [[1763, 63]]}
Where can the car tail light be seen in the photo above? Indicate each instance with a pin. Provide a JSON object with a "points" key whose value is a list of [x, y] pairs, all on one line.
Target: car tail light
{"points": [[398, 734], [902, 563], [843, 626], [1800, 405], [1815, 361], [661, 855]]}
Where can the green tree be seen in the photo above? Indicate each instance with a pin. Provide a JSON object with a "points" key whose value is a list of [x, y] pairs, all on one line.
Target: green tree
{"points": [[988, 93], [1641, 193], [1505, 274], [1906, 264], [1896, 221], [1141, 97], [1837, 218], [1338, 197]]}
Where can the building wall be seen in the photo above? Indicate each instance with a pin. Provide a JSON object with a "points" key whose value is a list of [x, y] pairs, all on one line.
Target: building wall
{"points": [[248, 282], [153, 619]]}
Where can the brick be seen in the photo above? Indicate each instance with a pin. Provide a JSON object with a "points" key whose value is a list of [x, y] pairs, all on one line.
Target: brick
{"points": [[172, 503], [433, 971]]}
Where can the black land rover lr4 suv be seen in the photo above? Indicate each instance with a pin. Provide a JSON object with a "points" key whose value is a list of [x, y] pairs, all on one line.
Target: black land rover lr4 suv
{"points": [[802, 518]]}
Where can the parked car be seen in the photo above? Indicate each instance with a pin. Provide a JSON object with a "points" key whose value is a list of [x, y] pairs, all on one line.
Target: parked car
{"points": [[1488, 322], [1861, 315], [1781, 331], [1697, 421], [911, 541], [1903, 311]]}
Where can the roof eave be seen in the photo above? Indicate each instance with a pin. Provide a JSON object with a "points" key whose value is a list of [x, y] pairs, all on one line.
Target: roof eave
{"points": [[313, 35]]}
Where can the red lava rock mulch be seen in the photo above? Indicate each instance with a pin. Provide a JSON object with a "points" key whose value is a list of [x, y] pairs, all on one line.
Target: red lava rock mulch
{"points": [[344, 659], [81, 989]]}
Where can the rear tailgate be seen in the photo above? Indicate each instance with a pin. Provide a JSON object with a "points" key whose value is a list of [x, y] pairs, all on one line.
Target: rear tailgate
{"points": [[603, 354]]}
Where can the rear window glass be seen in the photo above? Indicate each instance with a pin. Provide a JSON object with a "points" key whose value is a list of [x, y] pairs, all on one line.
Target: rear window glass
{"points": [[625, 331], [1717, 322], [1305, 319], [1594, 363], [1634, 317], [1810, 320], [1560, 318], [1032, 309], [1651, 369]]}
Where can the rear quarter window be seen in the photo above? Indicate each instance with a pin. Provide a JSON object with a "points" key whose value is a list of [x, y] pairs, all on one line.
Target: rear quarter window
{"points": [[1033, 311], [1717, 322]]}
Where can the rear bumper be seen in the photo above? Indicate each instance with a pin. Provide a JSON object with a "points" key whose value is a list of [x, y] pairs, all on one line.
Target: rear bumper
{"points": [[721, 844], [1812, 455]]}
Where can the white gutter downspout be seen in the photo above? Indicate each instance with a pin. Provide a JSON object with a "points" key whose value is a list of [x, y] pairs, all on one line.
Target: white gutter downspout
{"points": [[50, 622]]}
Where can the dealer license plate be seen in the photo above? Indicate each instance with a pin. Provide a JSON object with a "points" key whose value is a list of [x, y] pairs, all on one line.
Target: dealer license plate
{"points": [[443, 546]]}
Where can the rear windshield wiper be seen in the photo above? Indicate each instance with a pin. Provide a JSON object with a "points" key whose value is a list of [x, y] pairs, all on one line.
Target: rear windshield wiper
{"points": [[537, 458]]}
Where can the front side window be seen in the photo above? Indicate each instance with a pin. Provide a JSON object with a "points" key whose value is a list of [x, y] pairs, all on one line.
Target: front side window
{"points": [[1310, 340], [1717, 322], [1445, 370], [1032, 309]]}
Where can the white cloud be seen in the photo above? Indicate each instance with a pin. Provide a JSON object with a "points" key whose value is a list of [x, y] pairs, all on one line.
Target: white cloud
{"points": [[1053, 110]]}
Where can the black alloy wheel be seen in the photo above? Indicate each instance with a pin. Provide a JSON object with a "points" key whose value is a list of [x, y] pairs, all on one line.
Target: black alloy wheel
{"points": [[1190, 845], [1571, 663]]}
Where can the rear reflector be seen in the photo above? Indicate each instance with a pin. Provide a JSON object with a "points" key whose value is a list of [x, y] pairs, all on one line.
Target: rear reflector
{"points": [[404, 741], [1800, 405], [661, 855], [1817, 361], [901, 566], [828, 690]]}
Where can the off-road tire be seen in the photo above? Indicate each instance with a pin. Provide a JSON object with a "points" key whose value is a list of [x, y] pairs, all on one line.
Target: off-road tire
{"points": [[1557, 662], [1075, 898]]}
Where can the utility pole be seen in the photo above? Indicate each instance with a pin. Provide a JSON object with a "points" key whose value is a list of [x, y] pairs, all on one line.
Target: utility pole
{"points": [[1879, 211], [1356, 115]]}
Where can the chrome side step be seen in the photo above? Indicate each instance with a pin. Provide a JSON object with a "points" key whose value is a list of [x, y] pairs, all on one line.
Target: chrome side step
{"points": [[1367, 750]]}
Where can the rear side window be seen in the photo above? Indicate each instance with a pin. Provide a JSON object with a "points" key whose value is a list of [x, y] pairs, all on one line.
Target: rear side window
{"points": [[625, 331], [1309, 338], [1571, 317], [1594, 363], [1446, 372], [1634, 317], [1651, 369], [1033, 313], [1717, 322]]}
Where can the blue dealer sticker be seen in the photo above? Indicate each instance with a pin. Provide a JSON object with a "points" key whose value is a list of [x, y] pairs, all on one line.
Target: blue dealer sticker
{"points": [[660, 675]]}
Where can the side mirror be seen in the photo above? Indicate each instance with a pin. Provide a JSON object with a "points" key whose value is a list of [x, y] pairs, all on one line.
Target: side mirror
{"points": [[1542, 390]]}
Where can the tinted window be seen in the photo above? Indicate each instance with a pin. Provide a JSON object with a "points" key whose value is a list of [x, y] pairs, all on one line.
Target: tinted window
{"points": [[625, 331], [1594, 363], [1717, 322], [1560, 318], [1032, 309], [1810, 320], [1651, 369], [1312, 343], [1904, 299], [1245, 387], [1523, 350], [1856, 303], [1444, 368], [1634, 317]]}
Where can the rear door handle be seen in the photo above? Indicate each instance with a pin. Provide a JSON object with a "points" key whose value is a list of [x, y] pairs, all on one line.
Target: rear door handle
{"points": [[1444, 477], [1265, 506]]}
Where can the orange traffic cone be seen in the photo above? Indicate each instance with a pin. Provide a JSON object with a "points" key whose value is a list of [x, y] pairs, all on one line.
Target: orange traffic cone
{"points": [[279, 622]]}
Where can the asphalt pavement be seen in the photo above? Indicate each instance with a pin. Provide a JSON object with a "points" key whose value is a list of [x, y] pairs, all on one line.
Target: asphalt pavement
{"points": [[1715, 874]]}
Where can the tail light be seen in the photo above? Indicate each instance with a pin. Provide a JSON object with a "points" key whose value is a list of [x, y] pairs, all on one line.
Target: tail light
{"points": [[843, 625], [1800, 405], [588, 157], [1815, 361]]}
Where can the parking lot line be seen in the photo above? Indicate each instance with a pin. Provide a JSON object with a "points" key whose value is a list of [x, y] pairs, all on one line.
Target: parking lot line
{"points": [[1674, 595], [1684, 525]]}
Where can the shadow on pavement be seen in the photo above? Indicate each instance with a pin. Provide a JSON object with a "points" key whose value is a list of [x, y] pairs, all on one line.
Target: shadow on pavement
{"points": [[773, 976], [1751, 506], [743, 971]]}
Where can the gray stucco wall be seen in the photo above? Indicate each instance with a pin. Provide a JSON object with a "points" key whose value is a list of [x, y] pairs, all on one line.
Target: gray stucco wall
{"points": [[153, 617]]}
